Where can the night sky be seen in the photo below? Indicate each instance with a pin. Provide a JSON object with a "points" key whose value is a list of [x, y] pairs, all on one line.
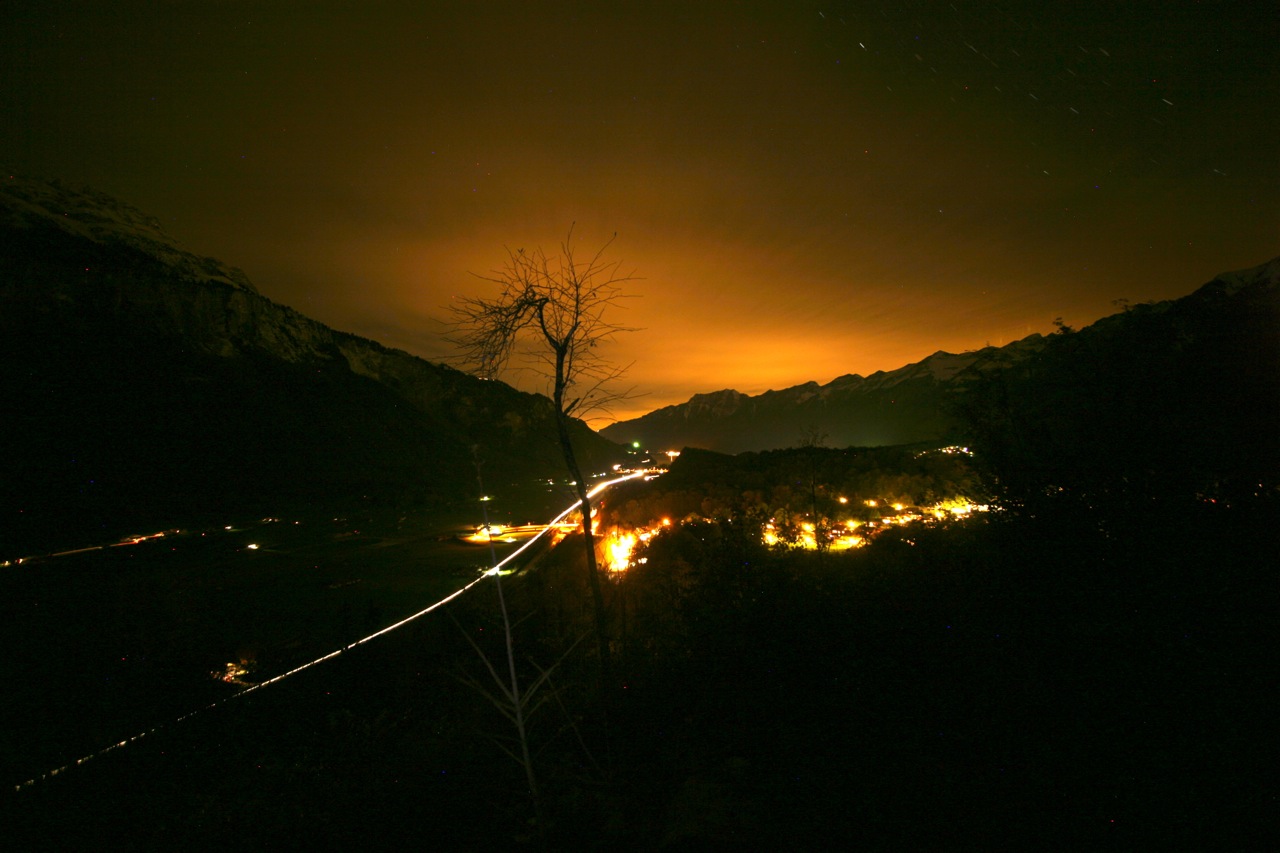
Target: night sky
{"points": [[805, 189]]}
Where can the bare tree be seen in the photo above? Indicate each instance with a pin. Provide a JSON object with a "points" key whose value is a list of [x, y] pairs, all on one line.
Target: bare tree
{"points": [[550, 316]]}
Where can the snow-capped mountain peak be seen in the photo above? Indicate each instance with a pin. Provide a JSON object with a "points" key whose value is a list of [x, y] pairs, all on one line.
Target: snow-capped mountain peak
{"points": [[96, 216]]}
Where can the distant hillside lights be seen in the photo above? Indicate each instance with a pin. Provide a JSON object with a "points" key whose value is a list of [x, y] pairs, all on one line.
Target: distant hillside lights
{"points": [[839, 538], [952, 448], [956, 507], [647, 461], [619, 546], [842, 535], [508, 534]]}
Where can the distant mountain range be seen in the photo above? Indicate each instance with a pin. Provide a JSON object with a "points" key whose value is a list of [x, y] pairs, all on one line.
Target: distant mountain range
{"points": [[142, 382], [900, 406], [915, 403]]}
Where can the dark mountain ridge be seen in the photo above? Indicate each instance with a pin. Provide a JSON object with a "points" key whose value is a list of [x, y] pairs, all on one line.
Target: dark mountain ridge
{"points": [[922, 402], [145, 383], [902, 406], [1174, 400]]}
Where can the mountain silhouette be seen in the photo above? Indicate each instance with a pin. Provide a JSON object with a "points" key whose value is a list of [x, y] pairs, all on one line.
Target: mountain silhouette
{"points": [[144, 383]]}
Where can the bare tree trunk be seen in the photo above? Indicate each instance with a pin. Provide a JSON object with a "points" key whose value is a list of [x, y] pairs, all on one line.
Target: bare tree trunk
{"points": [[562, 304], [593, 569]]}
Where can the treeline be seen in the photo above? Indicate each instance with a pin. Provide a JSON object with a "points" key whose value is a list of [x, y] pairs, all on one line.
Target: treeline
{"points": [[798, 482]]}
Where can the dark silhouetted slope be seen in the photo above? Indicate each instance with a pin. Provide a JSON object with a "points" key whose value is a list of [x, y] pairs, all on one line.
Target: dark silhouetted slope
{"points": [[1174, 399], [903, 406], [143, 383]]}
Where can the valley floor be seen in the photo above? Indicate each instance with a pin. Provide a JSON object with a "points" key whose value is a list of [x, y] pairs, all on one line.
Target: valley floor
{"points": [[1006, 685]]}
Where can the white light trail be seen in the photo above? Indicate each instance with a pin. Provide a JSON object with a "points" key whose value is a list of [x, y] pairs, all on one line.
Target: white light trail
{"points": [[333, 654]]}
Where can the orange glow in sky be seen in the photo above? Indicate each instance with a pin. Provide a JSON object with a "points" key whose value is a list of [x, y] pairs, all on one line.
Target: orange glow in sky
{"points": [[804, 189]]}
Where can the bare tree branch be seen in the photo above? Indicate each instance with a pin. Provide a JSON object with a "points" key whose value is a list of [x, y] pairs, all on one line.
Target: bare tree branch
{"points": [[551, 315]]}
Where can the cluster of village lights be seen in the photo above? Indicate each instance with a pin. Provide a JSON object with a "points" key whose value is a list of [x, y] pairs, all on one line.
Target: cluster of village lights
{"points": [[619, 545]]}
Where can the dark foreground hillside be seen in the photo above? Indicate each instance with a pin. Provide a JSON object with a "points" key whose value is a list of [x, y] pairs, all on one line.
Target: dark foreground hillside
{"points": [[147, 388], [1009, 684]]}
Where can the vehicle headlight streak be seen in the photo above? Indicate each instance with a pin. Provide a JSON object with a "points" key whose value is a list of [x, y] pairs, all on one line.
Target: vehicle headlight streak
{"points": [[333, 654]]}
